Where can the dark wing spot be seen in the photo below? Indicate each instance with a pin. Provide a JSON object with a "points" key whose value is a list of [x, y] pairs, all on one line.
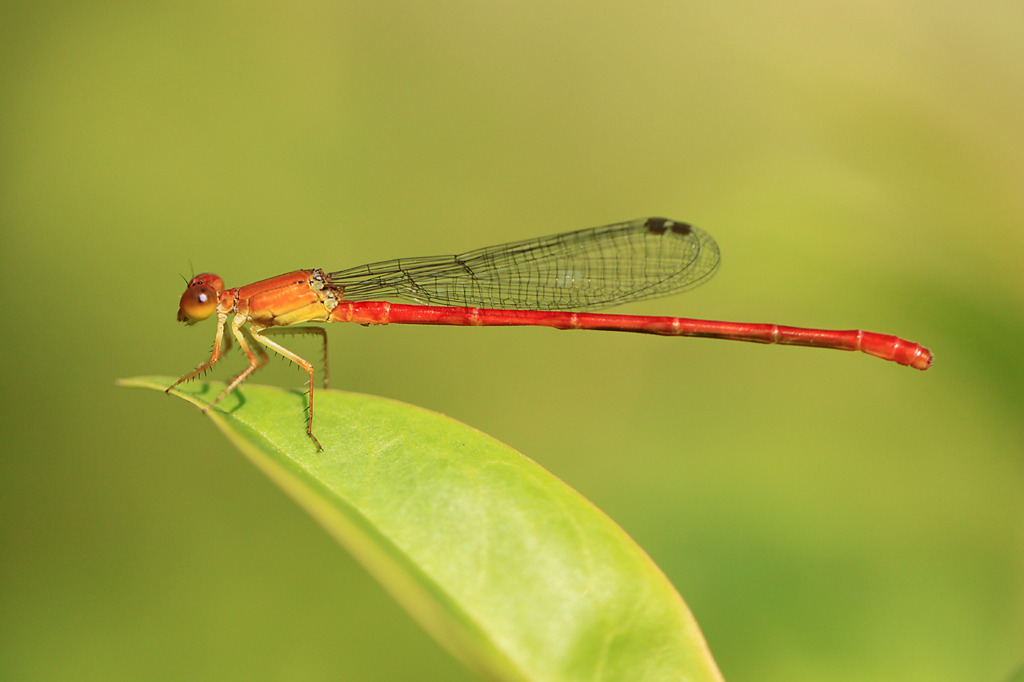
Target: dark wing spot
{"points": [[661, 225], [656, 225]]}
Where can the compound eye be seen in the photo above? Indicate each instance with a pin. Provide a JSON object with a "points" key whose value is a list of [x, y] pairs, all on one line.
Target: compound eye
{"points": [[197, 303]]}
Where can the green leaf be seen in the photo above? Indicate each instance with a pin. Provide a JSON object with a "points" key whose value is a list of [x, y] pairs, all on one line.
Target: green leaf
{"points": [[511, 570]]}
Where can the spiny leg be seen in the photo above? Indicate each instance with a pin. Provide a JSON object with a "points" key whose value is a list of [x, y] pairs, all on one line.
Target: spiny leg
{"points": [[220, 347], [278, 348], [316, 331], [255, 361]]}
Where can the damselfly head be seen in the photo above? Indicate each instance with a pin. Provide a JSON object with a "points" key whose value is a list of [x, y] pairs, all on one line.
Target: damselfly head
{"points": [[200, 298]]}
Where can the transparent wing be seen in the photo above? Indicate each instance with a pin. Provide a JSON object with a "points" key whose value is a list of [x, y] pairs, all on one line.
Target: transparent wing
{"points": [[587, 269]]}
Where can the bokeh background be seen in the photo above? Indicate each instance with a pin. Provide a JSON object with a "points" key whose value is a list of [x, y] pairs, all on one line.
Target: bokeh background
{"points": [[826, 515]]}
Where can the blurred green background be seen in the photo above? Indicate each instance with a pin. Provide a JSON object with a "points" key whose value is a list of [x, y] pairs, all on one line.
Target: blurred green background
{"points": [[826, 515]]}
